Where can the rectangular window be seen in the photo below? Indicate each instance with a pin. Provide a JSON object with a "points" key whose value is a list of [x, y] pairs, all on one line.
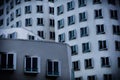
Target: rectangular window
{"points": [[107, 77], [18, 1], [88, 63], [118, 62], [116, 29], [61, 37], [112, 2], [2, 36], [1, 22], [40, 22], [11, 4], [97, 2], [98, 14], [71, 20], [31, 37], [102, 45], [78, 78], [83, 16], [70, 5], [105, 62], [92, 77], [7, 9], [12, 35], [53, 68], [60, 9], [117, 45], [74, 50], [86, 47], [7, 21], [100, 29], [76, 65], [1, 12], [51, 1], [28, 22], [18, 12], [52, 35], [41, 34], [27, 0], [51, 22], [60, 23], [32, 64], [39, 9], [7, 61], [84, 31], [51, 10], [18, 24], [12, 16], [82, 3], [113, 14], [28, 9], [72, 34]]}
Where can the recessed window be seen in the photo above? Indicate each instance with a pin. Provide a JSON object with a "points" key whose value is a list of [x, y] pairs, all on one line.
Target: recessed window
{"points": [[97, 1], [113, 2], [18, 1], [84, 31], [102, 45], [18, 12], [27, 0], [116, 29], [31, 37], [7, 21], [117, 45], [83, 16], [51, 1], [51, 22], [51, 10], [70, 5], [60, 9], [32, 64], [1, 2], [72, 34], [105, 62], [113, 14], [28, 9], [52, 35], [39, 9], [12, 4], [12, 16], [74, 50], [53, 68], [71, 20], [1, 12], [60, 23], [98, 13], [12, 35], [2, 36], [76, 65], [107, 77], [1, 22], [88, 63], [86, 47], [118, 62], [100, 29], [40, 22], [82, 3], [7, 9], [28, 22], [41, 34], [78, 78], [92, 77], [61, 37], [18, 24]]}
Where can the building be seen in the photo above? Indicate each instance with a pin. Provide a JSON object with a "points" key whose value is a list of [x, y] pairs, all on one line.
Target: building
{"points": [[27, 19], [34, 60], [92, 29]]}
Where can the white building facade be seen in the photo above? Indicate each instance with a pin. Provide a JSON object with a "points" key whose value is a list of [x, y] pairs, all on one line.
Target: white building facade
{"points": [[92, 29]]}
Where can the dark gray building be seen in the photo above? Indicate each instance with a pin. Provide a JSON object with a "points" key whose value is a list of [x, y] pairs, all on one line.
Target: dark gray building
{"points": [[34, 60]]}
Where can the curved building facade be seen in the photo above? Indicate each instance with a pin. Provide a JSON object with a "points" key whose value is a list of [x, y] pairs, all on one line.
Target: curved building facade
{"points": [[27, 19], [92, 29]]}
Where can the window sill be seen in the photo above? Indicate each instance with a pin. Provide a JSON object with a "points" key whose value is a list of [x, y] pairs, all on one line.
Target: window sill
{"points": [[85, 35], [103, 49], [82, 20], [89, 67], [99, 17], [82, 5], [98, 33], [105, 66], [86, 51], [97, 2]]}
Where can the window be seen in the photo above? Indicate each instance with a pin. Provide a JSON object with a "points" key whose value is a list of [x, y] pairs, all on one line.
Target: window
{"points": [[39, 9], [53, 68], [102, 45], [28, 22], [76, 65], [11, 4], [116, 29], [98, 14], [52, 35], [88, 63], [72, 34], [100, 29], [31, 37], [18, 24], [86, 47], [18, 1], [40, 21], [12, 26], [12, 16], [1, 2], [74, 49], [51, 1], [28, 9], [7, 1], [12, 35], [61, 37], [71, 20], [118, 62], [7, 61], [7, 21], [60, 23], [82, 3], [105, 62], [83, 16], [84, 31], [32, 64], [112, 2], [97, 2], [1, 12], [7, 9], [41, 34], [18, 12], [27, 0], [70, 5], [92, 77], [51, 23], [51, 10], [60, 9], [113, 14], [107, 77], [117, 45], [1, 22], [78, 78], [2, 36]]}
